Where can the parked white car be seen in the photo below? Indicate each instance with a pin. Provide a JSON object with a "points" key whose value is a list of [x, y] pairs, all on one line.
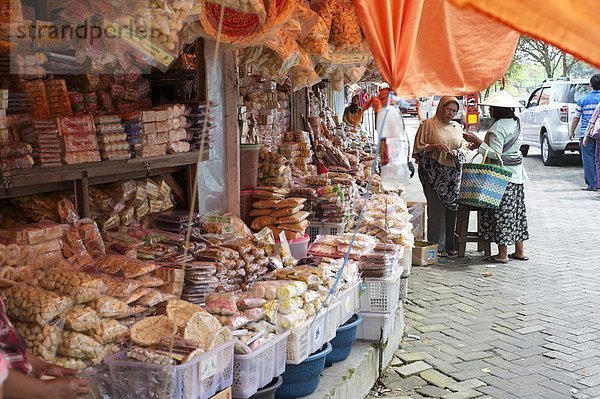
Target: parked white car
{"points": [[547, 117]]}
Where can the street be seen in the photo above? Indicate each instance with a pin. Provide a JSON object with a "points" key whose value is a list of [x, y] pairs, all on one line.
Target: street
{"points": [[521, 330]]}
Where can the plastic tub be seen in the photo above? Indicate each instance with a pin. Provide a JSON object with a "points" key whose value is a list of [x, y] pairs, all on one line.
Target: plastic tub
{"points": [[381, 294], [307, 338], [200, 378], [246, 201], [268, 392], [254, 371], [298, 247], [248, 166], [303, 379], [343, 341]]}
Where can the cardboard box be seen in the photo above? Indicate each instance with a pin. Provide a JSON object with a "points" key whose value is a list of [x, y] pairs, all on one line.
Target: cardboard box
{"points": [[424, 253], [224, 394], [418, 212]]}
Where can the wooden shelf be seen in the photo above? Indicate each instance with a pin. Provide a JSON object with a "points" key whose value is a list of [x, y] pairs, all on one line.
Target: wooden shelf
{"points": [[40, 180]]}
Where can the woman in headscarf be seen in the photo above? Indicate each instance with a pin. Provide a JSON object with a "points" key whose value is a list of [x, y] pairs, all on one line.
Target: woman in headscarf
{"points": [[440, 151], [352, 112], [506, 225]]}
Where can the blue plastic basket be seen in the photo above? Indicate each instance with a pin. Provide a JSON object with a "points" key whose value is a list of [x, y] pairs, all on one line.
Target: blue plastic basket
{"points": [[303, 379], [344, 338]]}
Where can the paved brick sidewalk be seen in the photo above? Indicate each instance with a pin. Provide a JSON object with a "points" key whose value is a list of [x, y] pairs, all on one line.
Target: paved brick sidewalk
{"points": [[528, 330]]}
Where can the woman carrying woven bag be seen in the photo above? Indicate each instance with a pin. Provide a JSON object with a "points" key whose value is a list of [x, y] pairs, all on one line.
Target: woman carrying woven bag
{"points": [[593, 133], [440, 151], [506, 225]]}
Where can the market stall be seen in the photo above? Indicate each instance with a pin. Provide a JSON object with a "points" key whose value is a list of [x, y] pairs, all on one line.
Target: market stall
{"points": [[114, 262]]}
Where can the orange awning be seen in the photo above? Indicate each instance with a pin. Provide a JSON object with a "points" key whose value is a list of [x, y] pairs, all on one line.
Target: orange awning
{"points": [[572, 26], [433, 47]]}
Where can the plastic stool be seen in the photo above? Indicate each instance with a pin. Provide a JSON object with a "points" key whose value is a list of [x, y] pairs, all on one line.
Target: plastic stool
{"points": [[463, 235]]}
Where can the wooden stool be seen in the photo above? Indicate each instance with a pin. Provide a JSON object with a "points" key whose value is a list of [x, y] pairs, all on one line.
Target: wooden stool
{"points": [[463, 235]]}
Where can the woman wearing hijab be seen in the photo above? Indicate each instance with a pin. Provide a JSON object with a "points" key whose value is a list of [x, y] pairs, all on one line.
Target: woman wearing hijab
{"points": [[352, 111], [440, 151], [506, 225]]}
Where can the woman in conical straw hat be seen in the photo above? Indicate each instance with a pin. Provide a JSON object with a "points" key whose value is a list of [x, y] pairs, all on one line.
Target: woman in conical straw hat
{"points": [[506, 225]]}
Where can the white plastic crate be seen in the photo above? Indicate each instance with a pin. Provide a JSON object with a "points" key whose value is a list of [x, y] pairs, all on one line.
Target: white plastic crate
{"points": [[403, 289], [377, 326], [349, 302], [333, 320], [256, 370], [200, 378], [307, 338], [406, 261], [381, 295], [325, 228]]}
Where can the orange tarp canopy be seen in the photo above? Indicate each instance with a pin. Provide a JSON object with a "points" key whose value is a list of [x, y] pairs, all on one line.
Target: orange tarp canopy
{"points": [[433, 47], [570, 25]]}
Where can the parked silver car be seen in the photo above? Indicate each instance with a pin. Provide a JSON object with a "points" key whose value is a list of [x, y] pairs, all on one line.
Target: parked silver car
{"points": [[548, 114]]}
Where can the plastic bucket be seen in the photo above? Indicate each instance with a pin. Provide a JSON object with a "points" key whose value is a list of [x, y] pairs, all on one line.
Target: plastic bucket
{"points": [[268, 392], [248, 166], [344, 339], [303, 379], [246, 201]]}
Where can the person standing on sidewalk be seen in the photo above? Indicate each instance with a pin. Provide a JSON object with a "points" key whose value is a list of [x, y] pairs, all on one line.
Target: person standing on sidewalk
{"points": [[583, 112], [440, 151], [506, 225]]}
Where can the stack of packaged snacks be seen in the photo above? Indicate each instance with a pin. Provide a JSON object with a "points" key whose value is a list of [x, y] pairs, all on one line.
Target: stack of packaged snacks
{"points": [[112, 138], [332, 199], [78, 139], [195, 126], [273, 169], [383, 262], [296, 148], [132, 123], [155, 130], [280, 214], [43, 135], [33, 246], [387, 218], [36, 92], [177, 122], [15, 155], [58, 98]]}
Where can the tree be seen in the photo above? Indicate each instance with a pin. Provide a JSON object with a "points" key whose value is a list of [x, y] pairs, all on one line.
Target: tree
{"points": [[549, 57]]}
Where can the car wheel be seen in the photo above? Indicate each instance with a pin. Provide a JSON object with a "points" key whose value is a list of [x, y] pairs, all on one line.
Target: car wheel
{"points": [[550, 157], [524, 150]]}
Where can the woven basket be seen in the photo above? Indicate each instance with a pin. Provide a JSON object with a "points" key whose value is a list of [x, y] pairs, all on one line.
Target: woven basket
{"points": [[483, 185]]}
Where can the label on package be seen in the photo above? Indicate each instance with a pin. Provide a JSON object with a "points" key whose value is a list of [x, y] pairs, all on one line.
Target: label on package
{"points": [[78, 142], [76, 124]]}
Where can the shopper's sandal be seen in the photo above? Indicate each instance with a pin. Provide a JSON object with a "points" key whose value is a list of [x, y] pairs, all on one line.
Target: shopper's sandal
{"points": [[442, 254], [515, 257], [493, 259], [452, 253]]}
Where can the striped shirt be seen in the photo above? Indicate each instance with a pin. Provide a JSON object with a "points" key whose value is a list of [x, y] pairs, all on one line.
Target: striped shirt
{"points": [[585, 108]]}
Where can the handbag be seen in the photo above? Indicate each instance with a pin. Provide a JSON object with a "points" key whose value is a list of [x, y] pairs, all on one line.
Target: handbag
{"points": [[483, 185], [593, 129]]}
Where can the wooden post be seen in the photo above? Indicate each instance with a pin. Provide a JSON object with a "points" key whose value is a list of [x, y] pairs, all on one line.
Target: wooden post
{"points": [[82, 195], [232, 135]]}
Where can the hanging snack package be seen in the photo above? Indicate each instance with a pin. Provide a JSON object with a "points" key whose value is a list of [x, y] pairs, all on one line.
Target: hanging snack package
{"points": [[255, 7], [346, 34]]}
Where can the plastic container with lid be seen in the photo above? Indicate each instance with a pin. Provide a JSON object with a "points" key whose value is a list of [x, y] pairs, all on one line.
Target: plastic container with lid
{"points": [[246, 201], [248, 166], [298, 247]]}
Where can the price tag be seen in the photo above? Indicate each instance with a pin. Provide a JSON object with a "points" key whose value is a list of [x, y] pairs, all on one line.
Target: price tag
{"points": [[318, 333], [207, 368]]}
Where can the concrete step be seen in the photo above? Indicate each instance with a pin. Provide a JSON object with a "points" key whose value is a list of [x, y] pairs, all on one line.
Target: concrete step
{"points": [[355, 376]]}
